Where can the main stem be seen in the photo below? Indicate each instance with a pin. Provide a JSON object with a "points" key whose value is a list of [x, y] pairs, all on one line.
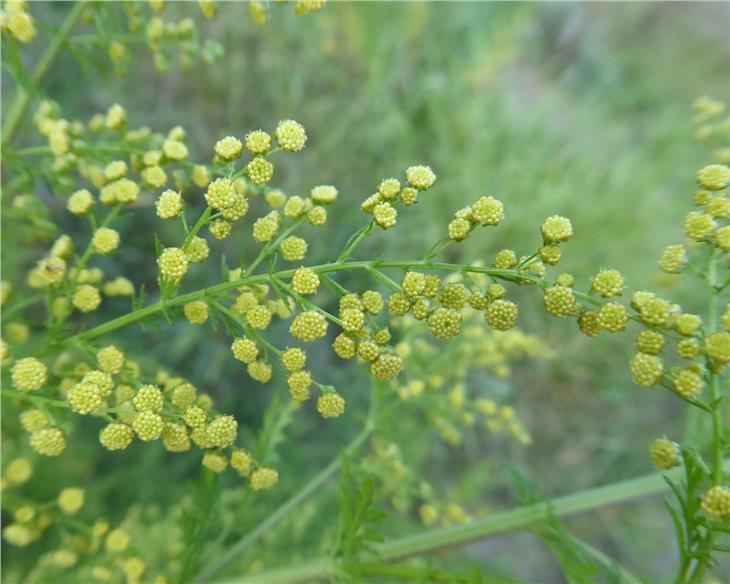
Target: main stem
{"points": [[429, 542], [22, 98], [164, 305]]}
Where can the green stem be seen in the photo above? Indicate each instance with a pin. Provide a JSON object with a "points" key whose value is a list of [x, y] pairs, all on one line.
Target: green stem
{"points": [[431, 541], [159, 307], [23, 98]]}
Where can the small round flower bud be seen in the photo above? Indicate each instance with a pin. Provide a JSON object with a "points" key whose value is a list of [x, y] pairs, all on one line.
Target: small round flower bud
{"points": [[331, 405], [258, 142], [183, 396], [198, 250], [550, 254], [687, 324], [497, 291], [650, 342], [265, 228], [716, 503], [201, 176], [588, 323], [195, 417], [717, 346], [173, 263], [714, 177], [386, 367], [505, 259], [228, 148], [276, 198], [655, 311], [385, 215], [559, 301], [308, 326], [84, 398], [29, 374], [117, 540], [305, 281], [698, 226], [116, 436], [223, 431], [368, 351], [196, 311], [48, 442], [409, 196], [459, 229], [101, 379], [259, 371], [105, 240], [153, 176], [413, 284], [290, 135], [686, 382], [453, 295], [323, 195], [369, 204], [33, 420], [299, 383], [420, 177], [86, 298], [110, 359], [293, 248], [294, 359], [352, 319], [612, 317], [215, 461], [479, 300], [263, 479], [259, 317], [556, 229], [445, 323], [718, 207], [81, 202], [18, 471], [487, 211], [317, 216], [664, 454], [398, 304], [674, 259], [383, 336], [344, 346], [175, 150], [501, 315], [389, 188], [70, 500], [608, 283], [245, 350], [295, 207], [646, 370], [221, 194], [241, 461], [220, 229], [688, 349], [722, 238], [148, 426], [238, 209], [372, 302], [148, 399], [421, 308], [350, 300]]}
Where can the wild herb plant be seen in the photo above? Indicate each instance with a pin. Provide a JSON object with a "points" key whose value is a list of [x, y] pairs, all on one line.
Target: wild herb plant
{"points": [[420, 328]]}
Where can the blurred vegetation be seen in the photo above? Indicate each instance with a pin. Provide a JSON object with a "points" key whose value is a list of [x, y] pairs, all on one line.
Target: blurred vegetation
{"points": [[576, 109]]}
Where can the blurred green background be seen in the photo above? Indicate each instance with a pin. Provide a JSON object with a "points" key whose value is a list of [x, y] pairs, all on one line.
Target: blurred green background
{"points": [[579, 109]]}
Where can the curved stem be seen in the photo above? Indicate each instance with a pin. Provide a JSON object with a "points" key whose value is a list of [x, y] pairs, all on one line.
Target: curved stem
{"points": [[22, 98]]}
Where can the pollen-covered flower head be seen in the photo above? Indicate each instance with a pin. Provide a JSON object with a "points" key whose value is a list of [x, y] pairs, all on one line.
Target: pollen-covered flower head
{"points": [[420, 177], [305, 281], [664, 454], [84, 398], [714, 177], [290, 135], [556, 229], [48, 442], [263, 478], [258, 142], [105, 240], [608, 283], [331, 405], [29, 374], [173, 263], [487, 211], [228, 148], [323, 194], [169, 205], [116, 436], [221, 194], [308, 326], [80, 202], [385, 215]]}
